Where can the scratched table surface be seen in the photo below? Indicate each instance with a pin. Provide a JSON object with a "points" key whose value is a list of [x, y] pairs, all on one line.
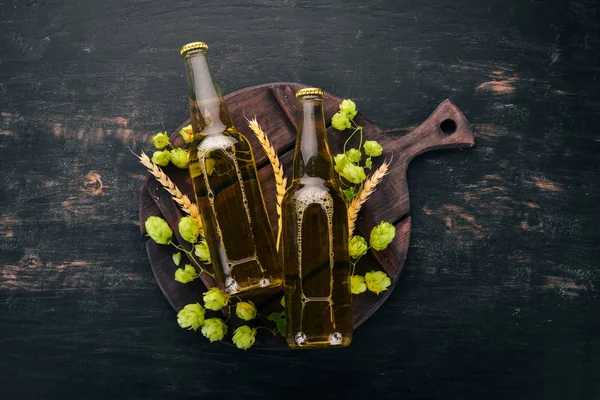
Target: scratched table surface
{"points": [[499, 297]]}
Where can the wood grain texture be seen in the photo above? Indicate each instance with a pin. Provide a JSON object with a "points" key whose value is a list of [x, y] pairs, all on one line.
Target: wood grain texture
{"points": [[498, 297], [389, 203]]}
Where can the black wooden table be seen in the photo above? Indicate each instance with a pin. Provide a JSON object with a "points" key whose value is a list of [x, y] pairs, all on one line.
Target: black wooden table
{"points": [[499, 297]]}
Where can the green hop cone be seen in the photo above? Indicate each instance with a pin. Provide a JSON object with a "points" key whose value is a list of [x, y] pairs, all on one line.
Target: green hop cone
{"points": [[189, 229], [245, 310], [357, 284], [368, 163], [353, 155], [159, 230], [347, 170], [187, 274], [372, 148], [201, 251], [191, 316], [214, 329], [179, 157], [377, 281], [353, 173], [161, 140], [176, 258], [215, 299], [161, 158], [341, 161], [348, 108], [340, 121], [382, 235], [244, 337], [357, 246], [187, 134]]}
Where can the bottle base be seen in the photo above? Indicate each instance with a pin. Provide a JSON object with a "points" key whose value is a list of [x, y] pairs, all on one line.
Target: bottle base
{"points": [[233, 288], [333, 340]]}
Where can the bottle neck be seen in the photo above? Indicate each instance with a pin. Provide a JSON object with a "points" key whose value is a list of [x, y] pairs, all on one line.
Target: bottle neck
{"points": [[208, 112], [312, 157]]}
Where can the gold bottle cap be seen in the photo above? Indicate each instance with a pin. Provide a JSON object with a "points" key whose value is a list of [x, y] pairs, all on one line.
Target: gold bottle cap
{"points": [[309, 92], [193, 46]]}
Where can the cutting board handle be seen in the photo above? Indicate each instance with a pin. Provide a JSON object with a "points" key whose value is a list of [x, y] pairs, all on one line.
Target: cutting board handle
{"points": [[446, 128]]}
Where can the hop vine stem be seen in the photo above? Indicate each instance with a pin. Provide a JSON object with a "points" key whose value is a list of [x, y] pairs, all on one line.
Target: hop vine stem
{"points": [[191, 256]]}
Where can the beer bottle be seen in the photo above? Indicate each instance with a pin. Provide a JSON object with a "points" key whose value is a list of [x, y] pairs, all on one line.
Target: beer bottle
{"points": [[315, 256], [226, 187]]}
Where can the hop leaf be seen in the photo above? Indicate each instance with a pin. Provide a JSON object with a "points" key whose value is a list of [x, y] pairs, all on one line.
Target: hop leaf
{"points": [[202, 252], [358, 246], [382, 235], [244, 337], [357, 284], [245, 310], [191, 316], [189, 229], [179, 157], [186, 275], [215, 299], [340, 121], [161, 140], [377, 281], [159, 230], [187, 134], [282, 302], [177, 258], [279, 319], [350, 193], [353, 155], [348, 108], [372, 148], [161, 158], [214, 329]]}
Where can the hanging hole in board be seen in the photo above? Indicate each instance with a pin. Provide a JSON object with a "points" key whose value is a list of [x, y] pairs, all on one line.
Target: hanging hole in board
{"points": [[448, 126]]}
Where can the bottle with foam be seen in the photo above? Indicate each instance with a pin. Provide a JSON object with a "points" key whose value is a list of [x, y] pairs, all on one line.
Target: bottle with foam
{"points": [[314, 249], [226, 187]]}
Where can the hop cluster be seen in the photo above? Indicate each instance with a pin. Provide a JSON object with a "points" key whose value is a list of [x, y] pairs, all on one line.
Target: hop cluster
{"points": [[177, 156], [348, 164], [376, 281], [192, 317]]}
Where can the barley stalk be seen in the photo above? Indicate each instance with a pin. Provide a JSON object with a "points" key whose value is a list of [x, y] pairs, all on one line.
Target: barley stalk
{"points": [[184, 202], [280, 179], [368, 189]]}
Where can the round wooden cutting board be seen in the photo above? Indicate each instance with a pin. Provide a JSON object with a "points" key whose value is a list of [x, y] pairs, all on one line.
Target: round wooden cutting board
{"points": [[274, 105]]}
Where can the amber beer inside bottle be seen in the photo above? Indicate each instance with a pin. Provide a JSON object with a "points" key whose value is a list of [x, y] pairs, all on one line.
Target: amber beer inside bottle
{"points": [[315, 239], [227, 190]]}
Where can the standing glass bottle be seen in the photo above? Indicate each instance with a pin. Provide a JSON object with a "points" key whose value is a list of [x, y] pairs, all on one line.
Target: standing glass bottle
{"points": [[227, 190], [315, 238]]}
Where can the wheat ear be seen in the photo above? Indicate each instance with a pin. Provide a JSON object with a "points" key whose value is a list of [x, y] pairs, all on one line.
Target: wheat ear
{"points": [[184, 202], [368, 189], [280, 179]]}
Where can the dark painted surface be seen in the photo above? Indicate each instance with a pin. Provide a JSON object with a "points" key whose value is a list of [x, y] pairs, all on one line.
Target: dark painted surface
{"points": [[499, 295]]}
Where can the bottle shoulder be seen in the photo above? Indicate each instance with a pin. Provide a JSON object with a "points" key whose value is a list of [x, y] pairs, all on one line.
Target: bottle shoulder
{"points": [[307, 188], [229, 135]]}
